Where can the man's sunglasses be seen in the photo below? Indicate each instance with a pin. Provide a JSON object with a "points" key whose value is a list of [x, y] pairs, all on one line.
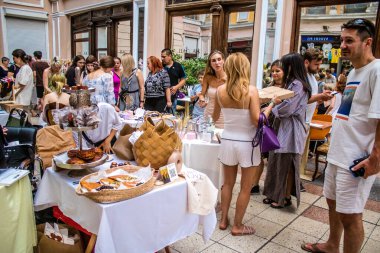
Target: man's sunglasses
{"points": [[360, 23]]}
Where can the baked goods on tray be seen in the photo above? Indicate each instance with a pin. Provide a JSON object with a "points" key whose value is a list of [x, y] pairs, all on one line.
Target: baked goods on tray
{"points": [[84, 156], [117, 184]]}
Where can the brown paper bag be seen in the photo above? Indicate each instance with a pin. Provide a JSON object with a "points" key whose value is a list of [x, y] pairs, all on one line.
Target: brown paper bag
{"points": [[52, 140], [123, 147], [47, 245]]}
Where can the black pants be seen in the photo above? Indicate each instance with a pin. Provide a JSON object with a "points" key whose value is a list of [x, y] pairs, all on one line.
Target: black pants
{"points": [[155, 104]]}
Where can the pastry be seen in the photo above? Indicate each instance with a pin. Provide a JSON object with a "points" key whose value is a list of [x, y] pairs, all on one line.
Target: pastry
{"points": [[75, 160], [72, 153], [89, 186], [86, 154], [98, 151], [124, 178], [110, 182], [96, 158]]}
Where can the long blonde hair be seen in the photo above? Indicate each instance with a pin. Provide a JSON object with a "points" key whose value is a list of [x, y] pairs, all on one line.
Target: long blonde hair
{"points": [[58, 81], [238, 71], [128, 64]]}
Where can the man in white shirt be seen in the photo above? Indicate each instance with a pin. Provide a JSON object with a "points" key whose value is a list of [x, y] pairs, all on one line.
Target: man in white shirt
{"points": [[355, 133]]}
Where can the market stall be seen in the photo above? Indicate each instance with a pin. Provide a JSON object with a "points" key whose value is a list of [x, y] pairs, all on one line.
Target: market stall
{"points": [[146, 223]]}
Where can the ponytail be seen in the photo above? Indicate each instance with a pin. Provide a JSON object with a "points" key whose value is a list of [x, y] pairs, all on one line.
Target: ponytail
{"points": [[59, 87]]}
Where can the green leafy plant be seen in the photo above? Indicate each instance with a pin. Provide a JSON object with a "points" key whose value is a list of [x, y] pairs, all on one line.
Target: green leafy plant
{"points": [[192, 68]]}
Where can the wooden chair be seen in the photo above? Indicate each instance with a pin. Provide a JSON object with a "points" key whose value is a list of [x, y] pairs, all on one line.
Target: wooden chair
{"points": [[48, 112], [320, 135], [321, 150]]}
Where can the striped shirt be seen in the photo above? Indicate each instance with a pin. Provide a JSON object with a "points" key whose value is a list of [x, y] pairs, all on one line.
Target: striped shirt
{"points": [[291, 113]]}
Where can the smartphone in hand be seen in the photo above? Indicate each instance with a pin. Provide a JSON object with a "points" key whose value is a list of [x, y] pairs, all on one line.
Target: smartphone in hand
{"points": [[333, 93], [359, 172]]}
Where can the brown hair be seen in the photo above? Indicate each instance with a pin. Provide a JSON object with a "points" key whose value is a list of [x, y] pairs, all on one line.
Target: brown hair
{"points": [[107, 62], [209, 69], [156, 64], [313, 54]]}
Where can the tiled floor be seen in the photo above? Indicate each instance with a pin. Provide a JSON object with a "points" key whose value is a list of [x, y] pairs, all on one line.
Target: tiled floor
{"points": [[282, 230]]}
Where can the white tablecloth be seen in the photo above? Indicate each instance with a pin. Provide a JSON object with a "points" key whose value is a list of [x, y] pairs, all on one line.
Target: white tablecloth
{"points": [[146, 223], [203, 156]]}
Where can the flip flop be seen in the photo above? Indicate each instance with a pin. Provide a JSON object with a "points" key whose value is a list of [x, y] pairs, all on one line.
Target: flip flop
{"points": [[311, 247], [246, 231]]}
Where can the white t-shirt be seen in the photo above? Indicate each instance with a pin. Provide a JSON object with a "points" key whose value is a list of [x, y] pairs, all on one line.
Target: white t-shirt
{"points": [[354, 126], [25, 77], [109, 120], [314, 90], [338, 101]]}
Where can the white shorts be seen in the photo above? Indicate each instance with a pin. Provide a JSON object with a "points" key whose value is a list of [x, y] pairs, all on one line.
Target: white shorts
{"points": [[239, 152], [350, 193]]}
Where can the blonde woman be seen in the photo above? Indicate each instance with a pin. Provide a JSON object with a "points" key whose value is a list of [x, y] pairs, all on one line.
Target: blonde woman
{"points": [[132, 90], [57, 96], [54, 69], [240, 106], [213, 78]]}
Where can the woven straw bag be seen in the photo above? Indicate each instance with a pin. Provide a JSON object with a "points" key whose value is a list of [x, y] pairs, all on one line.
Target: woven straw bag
{"points": [[156, 144]]}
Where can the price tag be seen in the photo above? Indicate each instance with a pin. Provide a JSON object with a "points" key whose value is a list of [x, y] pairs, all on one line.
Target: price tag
{"points": [[168, 173]]}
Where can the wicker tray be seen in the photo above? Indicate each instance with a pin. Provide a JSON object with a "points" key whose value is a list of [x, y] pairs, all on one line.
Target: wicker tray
{"points": [[111, 196]]}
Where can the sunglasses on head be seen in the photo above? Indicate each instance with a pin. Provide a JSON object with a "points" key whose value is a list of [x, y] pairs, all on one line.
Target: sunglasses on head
{"points": [[360, 23]]}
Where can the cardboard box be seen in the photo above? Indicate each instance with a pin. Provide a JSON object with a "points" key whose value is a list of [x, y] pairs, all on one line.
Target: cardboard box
{"points": [[268, 93]]}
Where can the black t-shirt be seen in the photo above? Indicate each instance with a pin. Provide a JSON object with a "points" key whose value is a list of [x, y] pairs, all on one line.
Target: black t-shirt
{"points": [[3, 73], [70, 76], [176, 72], [14, 69]]}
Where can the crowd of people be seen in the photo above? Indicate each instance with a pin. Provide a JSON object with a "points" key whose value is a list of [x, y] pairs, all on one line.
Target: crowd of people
{"points": [[224, 94]]}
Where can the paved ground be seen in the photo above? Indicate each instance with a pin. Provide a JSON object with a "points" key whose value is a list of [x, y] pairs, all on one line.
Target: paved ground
{"points": [[286, 229]]}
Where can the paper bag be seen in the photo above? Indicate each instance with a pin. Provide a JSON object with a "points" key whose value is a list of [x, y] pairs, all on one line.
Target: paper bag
{"points": [[47, 245], [123, 147], [53, 140]]}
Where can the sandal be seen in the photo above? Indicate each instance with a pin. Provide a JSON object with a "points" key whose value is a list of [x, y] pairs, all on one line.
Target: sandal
{"points": [[287, 202], [268, 201], [245, 231], [311, 247]]}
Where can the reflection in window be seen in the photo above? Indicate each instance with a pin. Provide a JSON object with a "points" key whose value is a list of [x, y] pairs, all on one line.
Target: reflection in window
{"points": [[242, 16], [240, 35], [316, 10], [191, 35], [356, 8], [82, 48], [83, 35], [124, 38], [101, 37]]}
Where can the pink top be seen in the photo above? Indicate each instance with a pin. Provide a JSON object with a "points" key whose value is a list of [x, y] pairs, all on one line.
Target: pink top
{"points": [[116, 85]]}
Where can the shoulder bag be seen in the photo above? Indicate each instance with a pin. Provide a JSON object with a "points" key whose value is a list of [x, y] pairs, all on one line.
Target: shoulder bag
{"points": [[265, 136]]}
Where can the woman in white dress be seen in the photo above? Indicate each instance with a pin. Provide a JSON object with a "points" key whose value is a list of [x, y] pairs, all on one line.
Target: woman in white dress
{"points": [[213, 78], [24, 79], [102, 81]]}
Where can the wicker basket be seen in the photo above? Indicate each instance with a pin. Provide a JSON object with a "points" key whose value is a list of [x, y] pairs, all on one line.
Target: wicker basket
{"points": [[110, 196]]}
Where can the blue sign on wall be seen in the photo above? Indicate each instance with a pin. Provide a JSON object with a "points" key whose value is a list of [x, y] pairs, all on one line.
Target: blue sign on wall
{"points": [[319, 38]]}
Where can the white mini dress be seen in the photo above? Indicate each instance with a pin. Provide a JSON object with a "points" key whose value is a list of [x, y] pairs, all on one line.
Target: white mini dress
{"points": [[236, 144]]}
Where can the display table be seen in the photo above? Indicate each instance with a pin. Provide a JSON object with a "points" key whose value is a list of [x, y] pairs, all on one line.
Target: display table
{"points": [[17, 225], [203, 156], [146, 223]]}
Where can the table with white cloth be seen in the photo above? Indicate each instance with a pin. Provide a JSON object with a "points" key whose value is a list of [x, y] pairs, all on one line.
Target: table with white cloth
{"points": [[17, 225], [3, 117], [203, 156], [146, 223]]}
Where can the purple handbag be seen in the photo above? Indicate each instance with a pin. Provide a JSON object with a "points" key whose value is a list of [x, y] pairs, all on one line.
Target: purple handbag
{"points": [[265, 136]]}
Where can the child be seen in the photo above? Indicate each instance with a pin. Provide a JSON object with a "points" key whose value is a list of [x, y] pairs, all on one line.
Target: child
{"points": [[194, 96]]}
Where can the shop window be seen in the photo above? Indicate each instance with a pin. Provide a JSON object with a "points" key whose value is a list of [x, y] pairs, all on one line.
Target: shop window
{"points": [[81, 44], [101, 41], [324, 33], [124, 43], [240, 35], [191, 37]]}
